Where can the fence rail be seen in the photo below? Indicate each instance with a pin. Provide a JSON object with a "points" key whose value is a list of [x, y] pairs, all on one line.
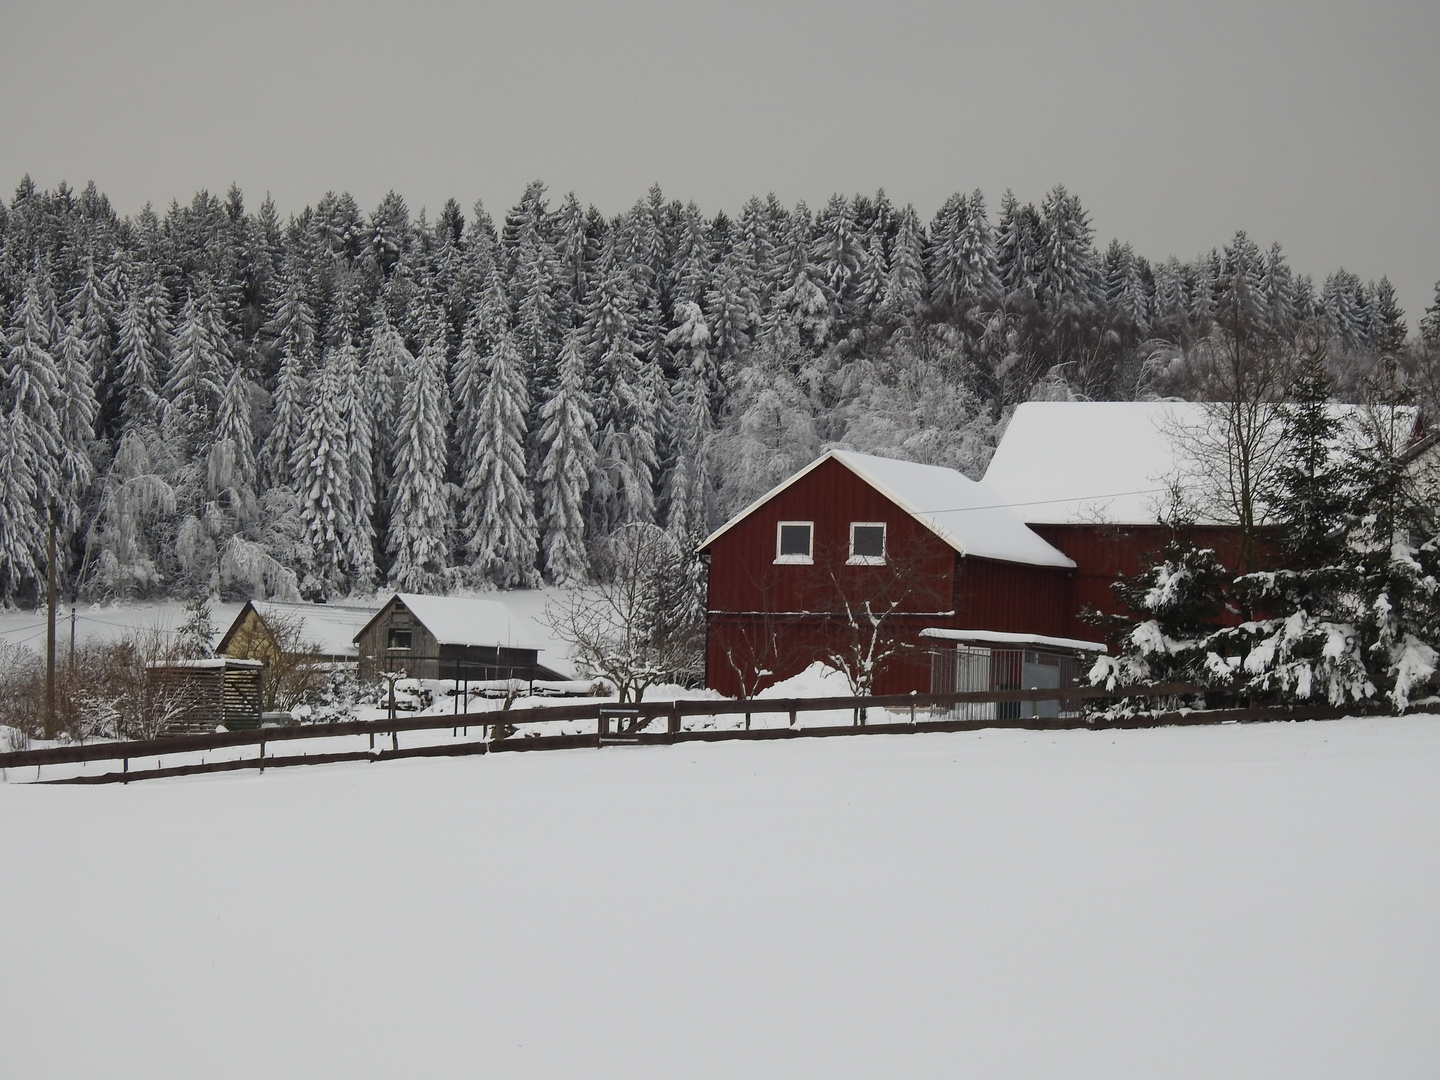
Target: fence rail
{"points": [[628, 723]]}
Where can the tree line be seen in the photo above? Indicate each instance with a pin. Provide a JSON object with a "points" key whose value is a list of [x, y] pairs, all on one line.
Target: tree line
{"points": [[218, 400]]}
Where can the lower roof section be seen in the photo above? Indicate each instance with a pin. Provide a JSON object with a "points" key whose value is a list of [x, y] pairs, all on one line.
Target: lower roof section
{"points": [[1000, 637]]}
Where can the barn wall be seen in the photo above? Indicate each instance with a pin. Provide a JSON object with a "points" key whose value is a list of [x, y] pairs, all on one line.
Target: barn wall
{"points": [[1104, 552], [1012, 597], [745, 578]]}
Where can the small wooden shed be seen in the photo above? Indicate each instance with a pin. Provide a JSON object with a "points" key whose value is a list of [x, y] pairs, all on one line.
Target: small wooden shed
{"points": [[199, 695], [447, 637]]}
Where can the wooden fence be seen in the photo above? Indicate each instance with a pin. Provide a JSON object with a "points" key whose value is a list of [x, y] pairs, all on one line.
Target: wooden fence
{"points": [[635, 724]]}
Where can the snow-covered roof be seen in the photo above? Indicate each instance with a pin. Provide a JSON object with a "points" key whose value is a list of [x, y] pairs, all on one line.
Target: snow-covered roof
{"points": [[1111, 462], [331, 628], [463, 620], [1074, 462], [1000, 637], [967, 514]]}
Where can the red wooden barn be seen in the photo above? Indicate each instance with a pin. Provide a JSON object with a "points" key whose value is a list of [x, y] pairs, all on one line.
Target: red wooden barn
{"points": [[799, 575]]}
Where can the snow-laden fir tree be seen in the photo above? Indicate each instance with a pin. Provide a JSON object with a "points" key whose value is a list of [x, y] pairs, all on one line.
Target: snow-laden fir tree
{"points": [[623, 488], [92, 319], [293, 329], [141, 353], [420, 496], [497, 513], [358, 424], [687, 480], [31, 395], [321, 471], [1066, 270], [77, 410], [567, 460], [199, 369]]}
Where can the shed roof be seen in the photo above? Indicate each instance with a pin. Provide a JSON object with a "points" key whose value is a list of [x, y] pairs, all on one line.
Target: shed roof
{"points": [[463, 620], [1112, 462], [331, 628], [968, 515], [1001, 637]]}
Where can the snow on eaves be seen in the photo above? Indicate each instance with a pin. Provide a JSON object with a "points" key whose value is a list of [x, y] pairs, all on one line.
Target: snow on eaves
{"points": [[967, 514]]}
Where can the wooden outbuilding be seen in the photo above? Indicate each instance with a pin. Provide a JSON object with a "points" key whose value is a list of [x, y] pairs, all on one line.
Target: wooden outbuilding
{"points": [[448, 637], [193, 696]]}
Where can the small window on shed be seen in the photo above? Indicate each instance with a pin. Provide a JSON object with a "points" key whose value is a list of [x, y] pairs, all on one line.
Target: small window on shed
{"points": [[867, 543], [398, 639], [792, 541]]}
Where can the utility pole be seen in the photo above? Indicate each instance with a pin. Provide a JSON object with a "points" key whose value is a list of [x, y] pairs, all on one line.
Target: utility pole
{"points": [[50, 731]]}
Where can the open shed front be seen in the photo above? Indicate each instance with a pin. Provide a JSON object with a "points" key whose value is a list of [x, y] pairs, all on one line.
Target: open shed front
{"points": [[980, 661]]}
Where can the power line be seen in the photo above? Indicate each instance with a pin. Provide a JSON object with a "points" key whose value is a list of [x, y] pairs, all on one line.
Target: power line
{"points": [[1042, 502]]}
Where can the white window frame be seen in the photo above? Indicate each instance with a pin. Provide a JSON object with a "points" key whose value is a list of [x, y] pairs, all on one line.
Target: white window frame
{"points": [[795, 560], [869, 560]]}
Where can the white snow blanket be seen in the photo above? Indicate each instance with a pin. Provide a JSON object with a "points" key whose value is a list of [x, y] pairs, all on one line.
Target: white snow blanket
{"points": [[1247, 902]]}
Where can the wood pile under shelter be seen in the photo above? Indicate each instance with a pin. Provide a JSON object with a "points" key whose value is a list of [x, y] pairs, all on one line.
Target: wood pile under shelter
{"points": [[200, 695]]}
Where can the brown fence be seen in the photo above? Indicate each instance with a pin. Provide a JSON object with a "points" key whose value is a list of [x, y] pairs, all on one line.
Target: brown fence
{"points": [[635, 724]]}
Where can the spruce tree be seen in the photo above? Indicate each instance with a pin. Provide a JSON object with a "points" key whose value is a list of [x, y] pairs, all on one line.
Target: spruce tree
{"points": [[567, 460], [141, 355], [77, 410], [420, 498], [293, 329], [321, 469], [200, 368], [497, 511]]}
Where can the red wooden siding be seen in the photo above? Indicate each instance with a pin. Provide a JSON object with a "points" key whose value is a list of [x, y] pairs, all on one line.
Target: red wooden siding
{"points": [[1104, 552]]}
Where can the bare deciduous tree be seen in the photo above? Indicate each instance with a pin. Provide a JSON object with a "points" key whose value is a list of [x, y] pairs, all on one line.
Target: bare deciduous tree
{"points": [[643, 621]]}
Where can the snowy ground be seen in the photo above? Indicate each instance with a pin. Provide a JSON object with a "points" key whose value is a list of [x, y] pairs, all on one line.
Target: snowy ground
{"points": [[1238, 901]]}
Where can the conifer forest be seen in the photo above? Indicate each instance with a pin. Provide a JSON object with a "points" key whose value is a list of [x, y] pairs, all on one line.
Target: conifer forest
{"points": [[218, 399]]}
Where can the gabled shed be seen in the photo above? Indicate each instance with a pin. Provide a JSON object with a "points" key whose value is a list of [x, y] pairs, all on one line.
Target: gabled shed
{"points": [[448, 637]]}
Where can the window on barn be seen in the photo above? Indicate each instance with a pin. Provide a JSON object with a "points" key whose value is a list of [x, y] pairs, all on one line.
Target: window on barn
{"points": [[793, 541], [867, 543], [398, 639]]}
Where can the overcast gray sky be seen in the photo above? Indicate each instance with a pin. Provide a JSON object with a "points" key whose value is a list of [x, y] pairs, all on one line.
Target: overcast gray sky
{"points": [[1316, 124]]}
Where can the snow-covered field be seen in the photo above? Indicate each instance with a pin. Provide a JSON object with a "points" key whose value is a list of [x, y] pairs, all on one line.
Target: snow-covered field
{"points": [[1239, 901]]}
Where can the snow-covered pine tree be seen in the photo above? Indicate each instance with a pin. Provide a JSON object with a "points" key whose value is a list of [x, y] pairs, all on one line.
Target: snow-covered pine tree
{"points": [[31, 395], [22, 526], [358, 424], [691, 267], [293, 329], [1430, 325], [905, 287], [1067, 272], [321, 470], [497, 511], [142, 351], [420, 497], [200, 368], [77, 410], [1017, 245], [567, 460], [92, 317], [687, 481], [1175, 606], [1387, 320], [623, 489]]}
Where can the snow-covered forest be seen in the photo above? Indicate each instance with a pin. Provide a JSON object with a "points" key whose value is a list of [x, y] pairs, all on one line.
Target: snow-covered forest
{"points": [[218, 400]]}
